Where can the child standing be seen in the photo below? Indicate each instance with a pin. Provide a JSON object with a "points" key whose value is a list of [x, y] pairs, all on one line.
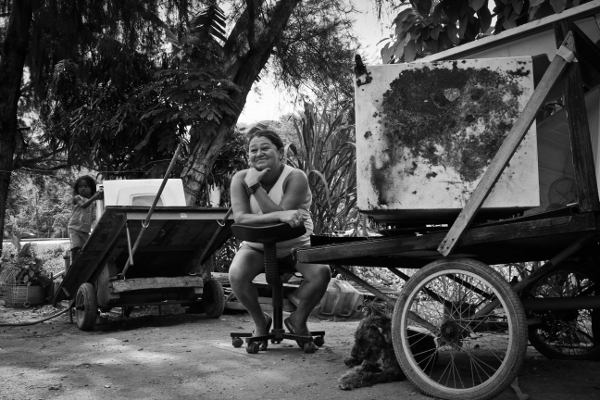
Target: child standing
{"points": [[80, 224]]}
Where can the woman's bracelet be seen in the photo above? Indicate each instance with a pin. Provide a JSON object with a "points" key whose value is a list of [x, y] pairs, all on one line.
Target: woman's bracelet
{"points": [[254, 187]]}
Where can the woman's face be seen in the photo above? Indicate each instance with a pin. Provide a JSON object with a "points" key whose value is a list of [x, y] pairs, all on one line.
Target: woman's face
{"points": [[263, 153]]}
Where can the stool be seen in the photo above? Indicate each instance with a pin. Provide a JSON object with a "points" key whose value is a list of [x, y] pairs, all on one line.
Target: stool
{"points": [[269, 235]]}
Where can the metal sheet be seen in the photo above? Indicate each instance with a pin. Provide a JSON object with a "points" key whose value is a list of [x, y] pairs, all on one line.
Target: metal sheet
{"points": [[427, 131]]}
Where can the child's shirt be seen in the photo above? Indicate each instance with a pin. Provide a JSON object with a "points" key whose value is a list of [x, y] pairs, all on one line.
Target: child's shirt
{"points": [[81, 219]]}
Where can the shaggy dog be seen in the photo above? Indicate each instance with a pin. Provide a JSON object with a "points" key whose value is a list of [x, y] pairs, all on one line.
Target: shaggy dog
{"points": [[373, 358]]}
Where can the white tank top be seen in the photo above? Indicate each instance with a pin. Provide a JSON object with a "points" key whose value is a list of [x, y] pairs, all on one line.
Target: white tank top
{"points": [[276, 195]]}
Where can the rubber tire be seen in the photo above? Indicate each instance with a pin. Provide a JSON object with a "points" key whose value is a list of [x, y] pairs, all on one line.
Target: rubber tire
{"points": [[534, 335], [86, 298], [237, 342], [310, 347], [252, 348], [319, 341], [516, 348], [213, 299]]}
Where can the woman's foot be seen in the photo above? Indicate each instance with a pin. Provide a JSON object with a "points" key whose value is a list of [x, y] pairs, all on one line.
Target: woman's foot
{"points": [[262, 327], [295, 326], [263, 330]]}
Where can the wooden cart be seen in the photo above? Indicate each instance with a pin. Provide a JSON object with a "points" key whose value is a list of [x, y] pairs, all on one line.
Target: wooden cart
{"points": [[168, 266], [454, 289]]}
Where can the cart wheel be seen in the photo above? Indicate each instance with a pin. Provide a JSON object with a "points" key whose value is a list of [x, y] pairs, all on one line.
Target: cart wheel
{"points": [[310, 347], [237, 342], [86, 307], [566, 334], [474, 359], [319, 341], [252, 348], [213, 299]]}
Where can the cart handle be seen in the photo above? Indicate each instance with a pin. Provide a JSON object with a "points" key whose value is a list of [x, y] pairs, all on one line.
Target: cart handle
{"points": [[222, 224], [146, 221]]}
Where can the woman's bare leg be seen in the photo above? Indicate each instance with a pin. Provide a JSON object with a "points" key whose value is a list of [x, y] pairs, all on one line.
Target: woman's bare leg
{"points": [[316, 278], [243, 269]]}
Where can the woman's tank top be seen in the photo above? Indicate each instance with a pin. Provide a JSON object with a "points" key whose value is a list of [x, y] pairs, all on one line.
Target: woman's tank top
{"points": [[276, 194]]}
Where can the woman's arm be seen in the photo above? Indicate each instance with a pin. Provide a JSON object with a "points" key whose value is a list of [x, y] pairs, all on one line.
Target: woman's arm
{"points": [[295, 190], [240, 203]]}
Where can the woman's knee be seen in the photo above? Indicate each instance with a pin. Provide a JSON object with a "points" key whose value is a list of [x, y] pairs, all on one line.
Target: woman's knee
{"points": [[244, 267], [315, 272]]}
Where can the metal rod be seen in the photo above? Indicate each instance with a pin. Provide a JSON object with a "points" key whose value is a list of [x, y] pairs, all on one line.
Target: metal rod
{"points": [[561, 303], [569, 251], [129, 243], [146, 221], [557, 259], [214, 236], [364, 284]]}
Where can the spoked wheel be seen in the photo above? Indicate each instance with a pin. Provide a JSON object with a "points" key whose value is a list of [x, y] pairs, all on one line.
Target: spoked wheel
{"points": [[478, 324], [566, 334], [86, 307]]}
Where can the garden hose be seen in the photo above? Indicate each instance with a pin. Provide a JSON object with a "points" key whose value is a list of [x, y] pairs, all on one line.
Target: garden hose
{"points": [[37, 321]]}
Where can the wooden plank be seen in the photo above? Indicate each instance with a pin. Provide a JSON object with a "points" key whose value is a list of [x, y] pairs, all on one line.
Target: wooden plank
{"points": [[88, 264], [474, 236], [508, 148], [126, 285], [588, 55], [581, 145]]}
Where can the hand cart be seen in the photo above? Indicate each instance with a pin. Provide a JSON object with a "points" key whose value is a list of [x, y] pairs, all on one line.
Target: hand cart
{"points": [[167, 268], [455, 286]]}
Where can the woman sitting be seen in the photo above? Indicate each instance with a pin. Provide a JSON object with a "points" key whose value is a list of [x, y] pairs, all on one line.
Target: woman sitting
{"points": [[267, 192]]}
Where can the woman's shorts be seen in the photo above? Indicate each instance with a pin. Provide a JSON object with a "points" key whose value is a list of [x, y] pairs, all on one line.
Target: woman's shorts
{"points": [[286, 260]]}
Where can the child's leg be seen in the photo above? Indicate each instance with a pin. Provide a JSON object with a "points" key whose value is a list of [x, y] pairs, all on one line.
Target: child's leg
{"points": [[74, 254], [77, 239]]}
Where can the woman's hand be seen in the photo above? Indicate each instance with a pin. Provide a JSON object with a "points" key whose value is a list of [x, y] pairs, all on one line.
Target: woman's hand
{"points": [[292, 217], [253, 176]]}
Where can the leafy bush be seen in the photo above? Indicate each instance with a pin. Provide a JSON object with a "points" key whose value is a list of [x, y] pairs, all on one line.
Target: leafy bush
{"points": [[30, 269], [36, 265]]}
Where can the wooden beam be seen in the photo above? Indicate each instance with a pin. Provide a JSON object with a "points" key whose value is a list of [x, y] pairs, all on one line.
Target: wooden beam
{"points": [[588, 55], [119, 286], [379, 248], [88, 265], [581, 144], [509, 146]]}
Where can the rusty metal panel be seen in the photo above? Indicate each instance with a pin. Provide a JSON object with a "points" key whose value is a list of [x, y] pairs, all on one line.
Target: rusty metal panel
{"points": [[426, 132]]}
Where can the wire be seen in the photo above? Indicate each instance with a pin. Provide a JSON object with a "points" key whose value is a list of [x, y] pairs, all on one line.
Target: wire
{"points": [[37, 321]]}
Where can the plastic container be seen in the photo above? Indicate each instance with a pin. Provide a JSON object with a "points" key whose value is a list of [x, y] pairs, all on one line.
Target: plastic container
{"points": [[341, 300], [25, 296]]}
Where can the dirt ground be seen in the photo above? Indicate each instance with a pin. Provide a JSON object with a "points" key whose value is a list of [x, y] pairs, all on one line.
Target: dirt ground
{"points": [[182, 356]]}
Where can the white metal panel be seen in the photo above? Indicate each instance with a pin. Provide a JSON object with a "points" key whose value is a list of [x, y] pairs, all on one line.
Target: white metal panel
{"points": [[128, 192], [396, 180]]}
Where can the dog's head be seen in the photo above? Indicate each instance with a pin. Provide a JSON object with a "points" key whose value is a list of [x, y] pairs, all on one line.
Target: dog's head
{"points": [[373, 335]]}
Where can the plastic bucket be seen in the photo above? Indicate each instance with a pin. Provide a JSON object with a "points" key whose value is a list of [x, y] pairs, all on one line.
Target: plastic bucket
{"points": [[341, 300]]}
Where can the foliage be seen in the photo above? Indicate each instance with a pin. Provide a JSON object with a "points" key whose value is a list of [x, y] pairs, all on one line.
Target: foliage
{"points": [[92, 75], [29, 268], [327, 156], [317, 49], [39, 203], [426, 27], [134, 129], [232, 158]]}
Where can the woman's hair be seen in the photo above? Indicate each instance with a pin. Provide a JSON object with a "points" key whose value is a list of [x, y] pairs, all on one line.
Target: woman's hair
{"points": [[269, 134], [85, 179]]}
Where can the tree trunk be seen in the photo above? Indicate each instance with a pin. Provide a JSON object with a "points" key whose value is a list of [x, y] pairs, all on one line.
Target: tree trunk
{"points": [[253, 61], [12, 61]]}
